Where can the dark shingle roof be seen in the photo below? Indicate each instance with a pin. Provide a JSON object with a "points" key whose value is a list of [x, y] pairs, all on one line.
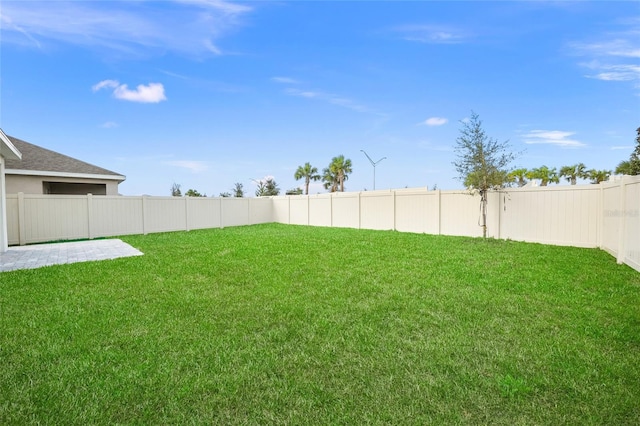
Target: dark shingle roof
{"points": [[38, 159]]}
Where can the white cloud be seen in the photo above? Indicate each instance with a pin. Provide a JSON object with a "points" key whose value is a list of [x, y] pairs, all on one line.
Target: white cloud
{"points": [[151, 93], [193, 166], [621, 147], [552, 137], [109, 125], [196, 25], [435, 121]]}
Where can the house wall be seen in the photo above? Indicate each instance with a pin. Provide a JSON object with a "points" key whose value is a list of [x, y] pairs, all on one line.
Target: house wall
{"points": [[34, 184]]}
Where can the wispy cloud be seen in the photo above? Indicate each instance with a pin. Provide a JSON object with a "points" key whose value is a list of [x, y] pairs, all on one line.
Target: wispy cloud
{"points": [[621, 147], [151, 93], [432, 34], [613, 55], [330, 98], [552, 137], [435, 121], [126, 27], [622, 72], [192, 165], [284, 80], [109, 125]]}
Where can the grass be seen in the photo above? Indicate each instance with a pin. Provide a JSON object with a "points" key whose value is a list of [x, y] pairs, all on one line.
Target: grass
{"points": [[277, 324]]}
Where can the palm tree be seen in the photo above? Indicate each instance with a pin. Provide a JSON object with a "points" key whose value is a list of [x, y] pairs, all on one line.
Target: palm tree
{"points": [[573, 173], [597, 176], [519, 176], [545, 175], [309, 173], [337, 172]]}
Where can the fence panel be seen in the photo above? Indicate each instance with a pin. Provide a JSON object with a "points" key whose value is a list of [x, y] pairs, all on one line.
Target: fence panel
{"points": [[235, 212], [320, 210], [377, 210], [280, 209], [345, 210], [260, 210], [203, 212], [418, 211], [165, 214], [299, 210], [552, 215], [459, 214], [114, 215], [55, 217]]}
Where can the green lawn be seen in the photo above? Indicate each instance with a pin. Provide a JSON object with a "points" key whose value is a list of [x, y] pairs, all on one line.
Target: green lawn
{"points": [[277, 324]]}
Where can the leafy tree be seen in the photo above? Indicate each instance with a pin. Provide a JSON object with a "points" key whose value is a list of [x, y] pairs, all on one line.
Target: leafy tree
{"points": [[238, 190], [518, 176], [194, 193], [175, 190], [294, 191], [337, 172], [544, 174], [597, 176], [267, 187], [482, 162], [631, 167], [308, 173], [225, 194], [573, 173]]}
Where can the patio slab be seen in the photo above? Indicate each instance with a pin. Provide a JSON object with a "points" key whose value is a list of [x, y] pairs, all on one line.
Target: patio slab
{"points": [[37, 256]]}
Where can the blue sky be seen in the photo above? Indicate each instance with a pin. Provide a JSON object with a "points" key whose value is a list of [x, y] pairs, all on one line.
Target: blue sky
{"points": [[207, 93]]}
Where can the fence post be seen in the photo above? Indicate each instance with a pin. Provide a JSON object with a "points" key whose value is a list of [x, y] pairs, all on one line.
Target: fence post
{"points": [[144, 215], [22, 237], [600, 213], [186, 214], [359, 210], [221, 212], [395, 211], [439, 212], [622, 228], [331, 209], [90, 216]]}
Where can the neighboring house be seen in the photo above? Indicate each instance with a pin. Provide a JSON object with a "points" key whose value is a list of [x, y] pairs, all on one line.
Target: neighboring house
{"points": [[42, 171]]}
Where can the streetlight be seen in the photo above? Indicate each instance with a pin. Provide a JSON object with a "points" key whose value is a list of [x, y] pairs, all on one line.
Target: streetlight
{"points": [[374, 164]]}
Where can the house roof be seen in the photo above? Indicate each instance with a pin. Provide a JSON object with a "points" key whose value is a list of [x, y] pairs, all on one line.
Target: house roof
{"points": [[7, 149], [44, 162]]}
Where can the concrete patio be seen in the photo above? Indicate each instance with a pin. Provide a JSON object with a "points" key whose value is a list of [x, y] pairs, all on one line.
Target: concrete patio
{"points": [[37, 256]]}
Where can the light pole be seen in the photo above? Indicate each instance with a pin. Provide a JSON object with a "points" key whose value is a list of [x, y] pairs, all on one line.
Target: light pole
{"points": [[374, 164]]}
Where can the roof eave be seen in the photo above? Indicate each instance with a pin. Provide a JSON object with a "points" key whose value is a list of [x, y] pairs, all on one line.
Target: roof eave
{"points": [[7, 149], [23, 172]]}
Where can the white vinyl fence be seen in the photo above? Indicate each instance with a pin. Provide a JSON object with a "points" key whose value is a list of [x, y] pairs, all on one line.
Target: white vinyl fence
{"points": [[605, 216], [41, 218]]}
